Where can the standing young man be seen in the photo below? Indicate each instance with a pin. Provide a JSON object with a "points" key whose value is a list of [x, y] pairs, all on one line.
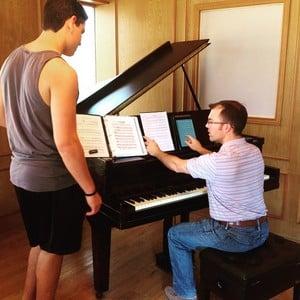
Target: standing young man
{"points": [[38, 93], [234, 178]]}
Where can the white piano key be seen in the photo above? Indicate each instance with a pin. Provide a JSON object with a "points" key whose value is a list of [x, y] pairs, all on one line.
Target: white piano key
{"points": [[158, 201], [168, 199]]}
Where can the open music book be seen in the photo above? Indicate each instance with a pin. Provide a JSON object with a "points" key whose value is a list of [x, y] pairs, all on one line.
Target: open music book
{"points": [[122, 136]]}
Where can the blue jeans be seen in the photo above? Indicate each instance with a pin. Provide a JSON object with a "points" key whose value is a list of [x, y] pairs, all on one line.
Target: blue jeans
{"points": [[183, 238]]}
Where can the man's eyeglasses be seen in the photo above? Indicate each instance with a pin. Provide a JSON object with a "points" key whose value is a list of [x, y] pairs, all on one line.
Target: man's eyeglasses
{"points": [[213, 122]]}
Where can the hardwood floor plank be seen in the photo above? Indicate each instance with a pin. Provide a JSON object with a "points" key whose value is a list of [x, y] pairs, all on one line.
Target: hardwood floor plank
{"points": [[134, 275]]}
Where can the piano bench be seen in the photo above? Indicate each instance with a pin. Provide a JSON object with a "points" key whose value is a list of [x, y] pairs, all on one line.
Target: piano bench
{"points": [[261, 273]]}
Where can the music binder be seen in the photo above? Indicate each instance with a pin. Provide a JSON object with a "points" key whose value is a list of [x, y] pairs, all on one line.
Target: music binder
{"points": [[110, 136], [122, 136]]}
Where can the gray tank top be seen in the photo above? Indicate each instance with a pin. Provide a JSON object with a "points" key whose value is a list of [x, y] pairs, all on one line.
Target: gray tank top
{"points": [[36, 164]]}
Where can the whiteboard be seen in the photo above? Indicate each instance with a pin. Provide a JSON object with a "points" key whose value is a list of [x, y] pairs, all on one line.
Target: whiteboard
{"points": [[243, 60]]}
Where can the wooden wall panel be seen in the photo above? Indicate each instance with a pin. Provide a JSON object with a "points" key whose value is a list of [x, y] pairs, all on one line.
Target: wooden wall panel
{"points": [[19, 23], [106, 44], [276, 199], [8, 202], [4, 148], [294, 183], [142, 26], [180, 35]]}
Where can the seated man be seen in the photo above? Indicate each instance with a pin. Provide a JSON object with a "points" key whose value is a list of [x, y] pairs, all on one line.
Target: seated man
{"points": [[235, 179]]}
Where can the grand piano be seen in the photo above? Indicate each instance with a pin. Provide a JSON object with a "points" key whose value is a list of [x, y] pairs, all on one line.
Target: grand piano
{"points": [[140, 190]]}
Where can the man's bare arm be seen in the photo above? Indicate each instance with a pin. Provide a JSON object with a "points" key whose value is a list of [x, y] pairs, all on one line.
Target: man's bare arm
{"points": [[195, 145], [172, 162], [63, 88]]}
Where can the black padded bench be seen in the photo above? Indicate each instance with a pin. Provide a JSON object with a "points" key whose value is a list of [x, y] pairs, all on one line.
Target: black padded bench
{"points": [[261, 273]]}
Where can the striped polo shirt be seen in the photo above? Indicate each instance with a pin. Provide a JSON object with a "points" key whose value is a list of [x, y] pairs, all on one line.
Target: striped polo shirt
{"points": [[235, 181]]}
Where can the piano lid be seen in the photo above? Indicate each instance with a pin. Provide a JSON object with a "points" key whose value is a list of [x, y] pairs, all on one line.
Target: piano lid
{"points": [[140, 77]]}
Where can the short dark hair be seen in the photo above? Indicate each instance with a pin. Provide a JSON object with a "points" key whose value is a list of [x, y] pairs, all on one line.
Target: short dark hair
{"points": [[234, 113], [56, 12]]}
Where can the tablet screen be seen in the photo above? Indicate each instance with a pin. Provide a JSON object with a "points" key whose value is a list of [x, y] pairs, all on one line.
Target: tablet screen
{"points": [[184, 127]]}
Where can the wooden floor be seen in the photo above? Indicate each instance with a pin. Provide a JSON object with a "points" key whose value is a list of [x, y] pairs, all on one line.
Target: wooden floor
{"points": [[134, 275]]}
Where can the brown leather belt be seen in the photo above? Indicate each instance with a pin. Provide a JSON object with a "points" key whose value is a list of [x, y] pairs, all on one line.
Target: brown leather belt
{"points": [[247, 223]]}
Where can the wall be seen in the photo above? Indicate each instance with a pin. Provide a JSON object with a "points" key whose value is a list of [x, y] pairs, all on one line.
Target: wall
{"points": [[19, 23], [129, 29], [134, 29]]}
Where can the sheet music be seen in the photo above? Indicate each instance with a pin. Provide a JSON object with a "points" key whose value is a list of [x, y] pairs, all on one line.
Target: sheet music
{"points": [[124, 135], [91, 135], [156, 126]]}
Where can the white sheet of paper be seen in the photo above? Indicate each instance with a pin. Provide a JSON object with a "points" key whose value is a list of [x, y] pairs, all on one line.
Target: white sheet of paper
{"points": [[124, 135], [91, 135], [156, 126]]}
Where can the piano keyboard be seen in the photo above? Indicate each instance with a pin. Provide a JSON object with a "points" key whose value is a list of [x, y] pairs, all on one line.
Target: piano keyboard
{"points": [[143, 203]]}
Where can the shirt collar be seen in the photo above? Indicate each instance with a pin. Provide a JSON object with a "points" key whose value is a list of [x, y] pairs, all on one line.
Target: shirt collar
{"points": [[234, 142]]}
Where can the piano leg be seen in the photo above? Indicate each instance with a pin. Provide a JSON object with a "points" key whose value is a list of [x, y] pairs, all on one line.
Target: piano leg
{"points": [[101, 239], [163, 258], [184, 217]]}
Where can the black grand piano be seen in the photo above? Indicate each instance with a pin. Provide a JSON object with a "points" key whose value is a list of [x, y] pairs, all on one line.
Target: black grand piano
{"points": [[162, 193]]}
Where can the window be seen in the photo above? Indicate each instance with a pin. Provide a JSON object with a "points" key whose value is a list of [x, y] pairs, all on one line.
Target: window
{"points": [[244, 56], [84, 59]]}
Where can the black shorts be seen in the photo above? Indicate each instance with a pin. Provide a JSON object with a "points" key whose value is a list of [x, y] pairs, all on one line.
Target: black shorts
{"points": [[53, 220]]}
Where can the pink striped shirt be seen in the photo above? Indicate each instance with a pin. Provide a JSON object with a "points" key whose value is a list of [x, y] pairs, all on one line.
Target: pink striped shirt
{"points": [[234, 178]]}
